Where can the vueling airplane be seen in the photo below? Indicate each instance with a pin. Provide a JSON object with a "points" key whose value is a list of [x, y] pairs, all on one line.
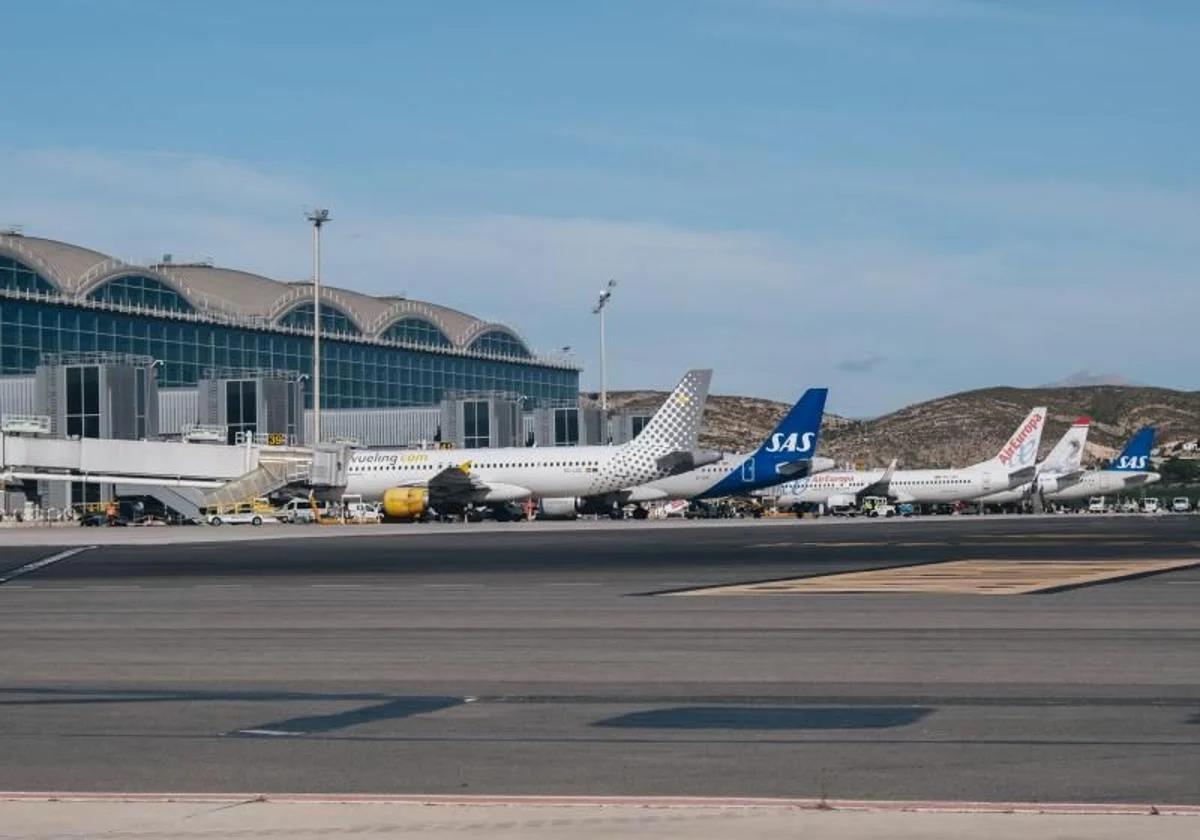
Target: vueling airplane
{"points": [[1128, 470], [787, 453], [1060, 469], [410, 482], [1012, 466]]}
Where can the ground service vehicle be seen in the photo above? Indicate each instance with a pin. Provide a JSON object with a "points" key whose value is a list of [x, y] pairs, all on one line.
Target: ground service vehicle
{"points": [[300, 510], [1181, 504], [1151, 505], [1097, 504], [245, 513], [877, 506]]}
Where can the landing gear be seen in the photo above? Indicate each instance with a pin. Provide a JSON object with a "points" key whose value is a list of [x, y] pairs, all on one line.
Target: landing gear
{"points": [[640, 512]]}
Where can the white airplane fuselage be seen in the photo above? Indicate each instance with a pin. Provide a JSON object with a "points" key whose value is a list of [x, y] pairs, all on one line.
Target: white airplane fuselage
{"points": [[914, 486], [1101, 483], [510, 474]]}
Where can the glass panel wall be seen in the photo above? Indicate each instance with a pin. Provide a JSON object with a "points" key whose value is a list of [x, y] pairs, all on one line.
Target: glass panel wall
{"points": [[354, 374]]}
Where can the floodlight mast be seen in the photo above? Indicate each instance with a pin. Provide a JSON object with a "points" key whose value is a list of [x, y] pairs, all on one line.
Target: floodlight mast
{"points": [[598, 309], [318, 218]]}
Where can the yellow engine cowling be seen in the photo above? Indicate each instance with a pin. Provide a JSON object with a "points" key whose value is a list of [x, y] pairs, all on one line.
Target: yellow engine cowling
{"points": [[405, 502]]}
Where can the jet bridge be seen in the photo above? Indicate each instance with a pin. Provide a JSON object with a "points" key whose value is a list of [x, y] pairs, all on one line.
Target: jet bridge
{"points": [[223, 474]]}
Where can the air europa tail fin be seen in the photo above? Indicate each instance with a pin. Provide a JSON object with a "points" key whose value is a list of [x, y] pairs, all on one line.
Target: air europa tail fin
{"points": [[1135, 457], [676, 424], [1020, 453], [1067, 455], [795, 438]]}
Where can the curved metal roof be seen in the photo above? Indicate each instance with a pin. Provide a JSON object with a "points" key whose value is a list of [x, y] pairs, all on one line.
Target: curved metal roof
{"points": [[230, 294]]}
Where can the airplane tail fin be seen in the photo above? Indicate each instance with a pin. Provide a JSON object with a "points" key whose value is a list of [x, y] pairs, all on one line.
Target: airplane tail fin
{"points": [[1135, 457], [790, 448], [676, 425], [1067, 455], [1020, 452]]}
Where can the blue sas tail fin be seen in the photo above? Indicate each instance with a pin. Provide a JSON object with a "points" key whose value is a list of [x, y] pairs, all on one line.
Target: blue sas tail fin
{"points": [[794, 440], [1135, 457]]}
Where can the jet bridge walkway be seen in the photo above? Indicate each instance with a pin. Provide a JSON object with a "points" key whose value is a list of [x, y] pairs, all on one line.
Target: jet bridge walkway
{"points": [[223, 474]]}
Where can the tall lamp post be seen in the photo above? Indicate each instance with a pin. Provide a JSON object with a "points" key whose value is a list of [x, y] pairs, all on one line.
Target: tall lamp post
{"points": [[605, 295], [318, 218]]}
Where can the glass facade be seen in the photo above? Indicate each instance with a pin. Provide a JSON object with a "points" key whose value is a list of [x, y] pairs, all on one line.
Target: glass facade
{"points": [[355, 374], [415, 331], [333, 320], [143, 292], [241, 408], [83, 401], [566, 427], [477, 432], [17, 277], [500, 343]]}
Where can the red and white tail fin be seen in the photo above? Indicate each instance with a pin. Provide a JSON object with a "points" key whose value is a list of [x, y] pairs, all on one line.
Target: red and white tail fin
{"points": [[1020, 453], [1067, 455]]}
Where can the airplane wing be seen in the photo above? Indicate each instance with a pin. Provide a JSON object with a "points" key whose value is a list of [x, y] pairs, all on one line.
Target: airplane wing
{"points": [[804, 467], [880, 486], [455, 484]]}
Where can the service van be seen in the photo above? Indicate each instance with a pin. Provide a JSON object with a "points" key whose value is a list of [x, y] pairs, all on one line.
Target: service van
{"points": [[1181, 504]]}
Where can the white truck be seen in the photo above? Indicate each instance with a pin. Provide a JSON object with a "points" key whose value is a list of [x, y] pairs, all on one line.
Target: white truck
{"points": [[246, 513], [300, 510], [1098, 504], [1181, 504]]}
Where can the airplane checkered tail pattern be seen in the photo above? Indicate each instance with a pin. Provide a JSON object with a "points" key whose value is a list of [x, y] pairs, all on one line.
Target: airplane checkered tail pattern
{"points": [[1067, 454], [1135, 457], [676, 424]]}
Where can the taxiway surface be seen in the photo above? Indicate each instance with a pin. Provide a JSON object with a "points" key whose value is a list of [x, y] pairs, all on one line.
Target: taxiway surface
{"points": [[510, 661]]}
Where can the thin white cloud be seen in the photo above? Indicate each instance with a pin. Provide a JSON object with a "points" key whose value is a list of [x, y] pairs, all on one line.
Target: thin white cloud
{"points": [[771, 313]]}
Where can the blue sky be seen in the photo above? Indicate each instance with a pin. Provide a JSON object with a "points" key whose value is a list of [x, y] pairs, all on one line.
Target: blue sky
{"points": [[895, 198]]}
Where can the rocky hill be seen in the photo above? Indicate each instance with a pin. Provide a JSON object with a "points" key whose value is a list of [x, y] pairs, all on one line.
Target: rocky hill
{"points": [[959, 429]]}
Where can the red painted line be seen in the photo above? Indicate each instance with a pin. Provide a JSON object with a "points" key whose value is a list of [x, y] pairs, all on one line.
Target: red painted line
{"points": [[916, 805]]}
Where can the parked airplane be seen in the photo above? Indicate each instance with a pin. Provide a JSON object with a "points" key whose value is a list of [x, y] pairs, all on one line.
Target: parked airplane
{"points": [[1012, 466], [1128, 470], [787, 453], [1060, 469], [409, 482]]}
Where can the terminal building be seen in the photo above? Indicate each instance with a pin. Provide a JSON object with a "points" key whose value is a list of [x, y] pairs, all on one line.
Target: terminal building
{"points": [[172, 350]]}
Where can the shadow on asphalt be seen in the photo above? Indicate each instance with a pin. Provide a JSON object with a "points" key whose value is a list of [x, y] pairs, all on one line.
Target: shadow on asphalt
{"points": [[770, 718]]}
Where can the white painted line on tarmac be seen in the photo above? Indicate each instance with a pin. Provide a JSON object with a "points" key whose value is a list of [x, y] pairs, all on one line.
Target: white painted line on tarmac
{"points": [[275, 733], [44, 562]]}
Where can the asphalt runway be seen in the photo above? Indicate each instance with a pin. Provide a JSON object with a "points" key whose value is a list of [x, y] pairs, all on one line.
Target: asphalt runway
{"points": [[511, 661]]}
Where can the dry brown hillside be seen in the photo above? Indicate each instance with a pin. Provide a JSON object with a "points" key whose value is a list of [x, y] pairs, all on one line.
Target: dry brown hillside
{"points": [[958, 429]]}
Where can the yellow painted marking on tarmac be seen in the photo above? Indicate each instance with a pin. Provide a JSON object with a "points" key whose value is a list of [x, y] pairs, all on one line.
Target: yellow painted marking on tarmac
{"points": [[960, 577]]}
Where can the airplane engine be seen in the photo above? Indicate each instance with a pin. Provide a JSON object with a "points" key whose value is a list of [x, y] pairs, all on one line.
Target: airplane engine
{"points": [[405, 502], [565, 508]]}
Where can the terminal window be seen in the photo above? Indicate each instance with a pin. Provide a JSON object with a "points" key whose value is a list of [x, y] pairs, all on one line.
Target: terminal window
{"points": [[566, 427], [83, 402], [241, 408], [476, 424]]}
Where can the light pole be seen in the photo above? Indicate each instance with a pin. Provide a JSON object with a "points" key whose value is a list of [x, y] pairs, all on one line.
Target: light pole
{"points": [[318, 218], [605, 294]]}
